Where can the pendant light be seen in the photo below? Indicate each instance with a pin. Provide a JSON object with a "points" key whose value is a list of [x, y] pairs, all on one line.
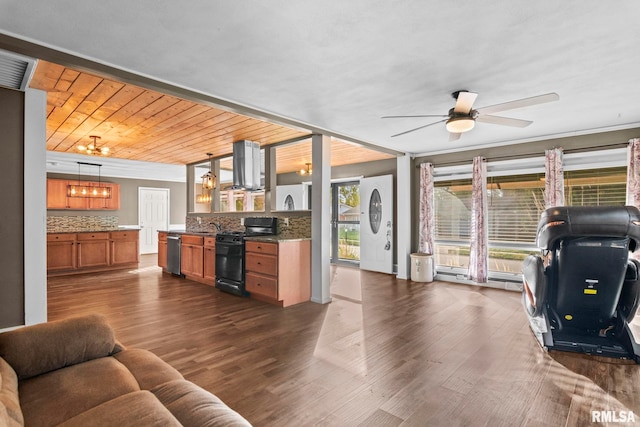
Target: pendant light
{"points": [[88, 190], [208, 184], [209, 178]]}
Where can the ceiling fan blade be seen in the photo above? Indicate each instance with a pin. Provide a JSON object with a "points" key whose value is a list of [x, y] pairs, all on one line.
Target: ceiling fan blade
{"points": [[415, 129], [405, 117], [520, 103], [505, 121], [465, 101], [454, 136]]}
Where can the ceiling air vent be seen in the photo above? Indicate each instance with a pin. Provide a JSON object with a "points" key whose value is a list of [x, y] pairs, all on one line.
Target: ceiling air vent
{"points": [[15, 70]]}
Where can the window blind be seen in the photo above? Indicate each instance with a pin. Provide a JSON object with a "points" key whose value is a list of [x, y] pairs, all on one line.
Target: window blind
{"points": [[596, 187]]}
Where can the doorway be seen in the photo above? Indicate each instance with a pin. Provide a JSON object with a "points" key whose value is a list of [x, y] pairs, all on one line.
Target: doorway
{"points": [[153, 215], [345, 222], [377, 224]]}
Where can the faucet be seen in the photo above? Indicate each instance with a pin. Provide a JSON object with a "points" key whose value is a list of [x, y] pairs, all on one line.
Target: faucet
{"points": [[218, 226]]}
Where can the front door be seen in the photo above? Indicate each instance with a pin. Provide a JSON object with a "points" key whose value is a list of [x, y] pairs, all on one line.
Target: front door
{"points": [[345, 221], [376, 224], [153, 215]]}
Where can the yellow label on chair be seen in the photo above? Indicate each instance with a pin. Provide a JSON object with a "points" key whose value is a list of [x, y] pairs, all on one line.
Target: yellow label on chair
{"points": [[568, 317], [590, 291]]}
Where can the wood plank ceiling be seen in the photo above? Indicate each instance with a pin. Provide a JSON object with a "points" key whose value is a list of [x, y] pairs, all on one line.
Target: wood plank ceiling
{"points": [[141, 124]]}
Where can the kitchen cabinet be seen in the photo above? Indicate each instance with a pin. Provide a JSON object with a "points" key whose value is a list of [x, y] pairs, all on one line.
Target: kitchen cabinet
{"points": [[209, 267], [162, 250], [57, 196], [93, 249], [61, 252], [192, 256], [70, 253], [278, 273], [197, 257], [124, 247]]}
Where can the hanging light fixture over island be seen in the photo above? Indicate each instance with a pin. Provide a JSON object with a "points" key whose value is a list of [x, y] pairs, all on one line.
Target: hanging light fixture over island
{"points": [[88, 190]]}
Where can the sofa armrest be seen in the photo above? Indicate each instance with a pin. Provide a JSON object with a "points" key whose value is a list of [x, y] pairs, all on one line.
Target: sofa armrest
{"points": [[41, 348]]}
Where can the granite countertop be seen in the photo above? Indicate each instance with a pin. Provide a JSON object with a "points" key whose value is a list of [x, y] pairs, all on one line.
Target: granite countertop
{"points": [[194, 233], [272, 238], [100, 230], [276, 238]]}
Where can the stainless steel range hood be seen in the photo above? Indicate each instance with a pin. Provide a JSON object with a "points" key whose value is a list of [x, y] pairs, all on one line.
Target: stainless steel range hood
{"points": [[246, 165]]}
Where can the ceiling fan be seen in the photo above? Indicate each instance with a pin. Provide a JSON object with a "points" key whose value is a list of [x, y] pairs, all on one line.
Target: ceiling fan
{"points": [[462, 116]]}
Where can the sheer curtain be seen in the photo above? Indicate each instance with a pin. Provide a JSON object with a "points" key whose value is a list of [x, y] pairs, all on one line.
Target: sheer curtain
{"points": [[427, 208], [633, 173], [554, 178], [479, 232]]}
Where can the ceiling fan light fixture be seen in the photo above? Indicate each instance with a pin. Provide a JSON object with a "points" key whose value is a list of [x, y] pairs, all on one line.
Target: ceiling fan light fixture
{"points": [[92, 148], [307, 171], [460, 124]]}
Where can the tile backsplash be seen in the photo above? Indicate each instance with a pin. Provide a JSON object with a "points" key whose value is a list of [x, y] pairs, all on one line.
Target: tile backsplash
{"points": [[63, 224], [299, 226]]}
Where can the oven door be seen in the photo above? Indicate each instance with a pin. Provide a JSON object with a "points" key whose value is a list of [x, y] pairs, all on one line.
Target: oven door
{"points": [[230, 262]]}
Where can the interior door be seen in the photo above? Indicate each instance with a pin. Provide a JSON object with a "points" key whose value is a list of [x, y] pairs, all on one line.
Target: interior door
{"points": [[153, 209], [376, 224]]}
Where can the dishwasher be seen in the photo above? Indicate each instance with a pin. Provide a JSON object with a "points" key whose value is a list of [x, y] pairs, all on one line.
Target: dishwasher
{"points": [[173, 254]]}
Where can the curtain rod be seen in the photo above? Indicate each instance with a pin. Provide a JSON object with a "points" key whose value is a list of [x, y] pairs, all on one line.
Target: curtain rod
{"points": [[523, 156]]}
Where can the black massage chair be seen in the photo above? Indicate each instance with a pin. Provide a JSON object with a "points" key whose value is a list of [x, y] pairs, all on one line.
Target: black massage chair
{"points": [[584, 290]]}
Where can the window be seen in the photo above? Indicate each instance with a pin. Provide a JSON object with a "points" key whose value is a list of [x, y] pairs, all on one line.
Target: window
{"points": [[596, 187], [514, 206], [234, 200], [452, 224]]}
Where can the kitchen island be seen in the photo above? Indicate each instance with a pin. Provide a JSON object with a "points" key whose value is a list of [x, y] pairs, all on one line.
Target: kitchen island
{"points": [[277, 269]]}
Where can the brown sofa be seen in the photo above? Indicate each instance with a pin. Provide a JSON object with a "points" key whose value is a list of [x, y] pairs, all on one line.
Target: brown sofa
{"points": [[73, 372]]}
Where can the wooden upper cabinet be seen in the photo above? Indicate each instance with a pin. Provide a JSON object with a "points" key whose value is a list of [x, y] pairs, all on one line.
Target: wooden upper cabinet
{"points": [[57, 196]]}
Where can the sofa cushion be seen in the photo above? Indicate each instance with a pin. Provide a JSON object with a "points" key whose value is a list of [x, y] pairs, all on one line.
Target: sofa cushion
{"points": [[139, 408], [10, 412], [147, 368], [56, 396], [193, 405], [34, 350]]}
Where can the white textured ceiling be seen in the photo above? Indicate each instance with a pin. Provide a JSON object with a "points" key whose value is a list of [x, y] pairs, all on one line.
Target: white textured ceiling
{"points": [[341, 65]]}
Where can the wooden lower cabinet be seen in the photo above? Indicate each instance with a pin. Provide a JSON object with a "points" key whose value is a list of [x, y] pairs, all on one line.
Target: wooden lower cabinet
{"points": [[162, 250], [192, 256], [124, 247], [61, 252], [197, 257], [209, 267], [279, 273], [93, 250], [69, 253]]}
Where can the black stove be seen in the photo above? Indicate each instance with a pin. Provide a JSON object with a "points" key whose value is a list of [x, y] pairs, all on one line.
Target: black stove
{"points": [[230, 253]]}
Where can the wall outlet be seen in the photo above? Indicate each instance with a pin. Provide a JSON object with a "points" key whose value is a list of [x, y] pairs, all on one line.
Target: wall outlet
{"points": [[285, 222], [242, 221], [199, 219]]}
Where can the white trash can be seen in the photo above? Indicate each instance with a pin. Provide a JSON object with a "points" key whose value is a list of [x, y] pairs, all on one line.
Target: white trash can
{"points": [[421, 267]]}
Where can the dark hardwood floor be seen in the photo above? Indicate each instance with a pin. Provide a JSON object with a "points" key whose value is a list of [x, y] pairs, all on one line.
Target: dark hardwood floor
{"points": [[383, 352]]}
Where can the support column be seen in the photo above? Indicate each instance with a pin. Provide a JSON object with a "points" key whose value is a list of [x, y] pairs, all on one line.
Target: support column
{"points": [[320, 219], [35, 207], [403, 215], [270, 179]]}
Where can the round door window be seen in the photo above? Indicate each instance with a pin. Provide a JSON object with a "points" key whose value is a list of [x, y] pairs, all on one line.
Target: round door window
{"points": [[375, 211], [289, 205]]}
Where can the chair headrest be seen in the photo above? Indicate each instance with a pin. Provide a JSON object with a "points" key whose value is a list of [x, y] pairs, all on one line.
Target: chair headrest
{"points": [[588, 221]]}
